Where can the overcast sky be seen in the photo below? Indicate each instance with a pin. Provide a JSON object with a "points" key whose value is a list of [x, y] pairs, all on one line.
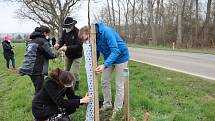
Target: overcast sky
{"points": [[10, 24]]}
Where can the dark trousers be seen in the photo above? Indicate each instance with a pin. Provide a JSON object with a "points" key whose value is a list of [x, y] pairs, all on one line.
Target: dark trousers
{"points": [[37, 81], [42, 112], [8, 61]]}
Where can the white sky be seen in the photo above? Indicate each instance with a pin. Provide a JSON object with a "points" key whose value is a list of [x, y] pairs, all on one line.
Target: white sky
{"points": [[10, 24]]}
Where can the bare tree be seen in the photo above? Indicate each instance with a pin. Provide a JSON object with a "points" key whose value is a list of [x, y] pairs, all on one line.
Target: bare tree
{"points": [[179, 34], [125, 5], [207, 21], [49, 12], [157, 12], [109, 12], [165, 21], [113, 13], [151, 21], [197, 21], [119, 14], [133, 16]]}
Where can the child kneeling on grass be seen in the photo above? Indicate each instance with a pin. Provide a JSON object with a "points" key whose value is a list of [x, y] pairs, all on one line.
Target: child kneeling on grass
{"points": [[49, 102]]}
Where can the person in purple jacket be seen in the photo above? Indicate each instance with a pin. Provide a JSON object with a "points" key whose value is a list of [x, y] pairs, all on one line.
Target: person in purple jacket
{"points": [[116, 56]]}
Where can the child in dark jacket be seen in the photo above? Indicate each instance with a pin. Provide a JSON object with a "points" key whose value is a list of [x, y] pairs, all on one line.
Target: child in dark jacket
{"points": [[38, 53], [8, 53], [50, 101]]}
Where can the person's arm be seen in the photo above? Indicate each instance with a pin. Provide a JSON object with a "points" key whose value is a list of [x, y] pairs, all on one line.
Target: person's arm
{"points": [[48, 52], [7, 46], [61, 41], [59, 100], [71, 95], [77, 46], [112, 44]]}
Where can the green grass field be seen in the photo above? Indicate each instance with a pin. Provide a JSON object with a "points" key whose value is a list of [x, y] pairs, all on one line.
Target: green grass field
{"points": [[191, 50], [166, 95]]}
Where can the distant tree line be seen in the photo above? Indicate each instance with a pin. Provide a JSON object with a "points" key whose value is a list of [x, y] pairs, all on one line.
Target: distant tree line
{"points": [[188, 23], [16, 37]]}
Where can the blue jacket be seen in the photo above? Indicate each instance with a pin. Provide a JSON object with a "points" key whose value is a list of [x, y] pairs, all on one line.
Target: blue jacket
{"points": [[111, 45]]}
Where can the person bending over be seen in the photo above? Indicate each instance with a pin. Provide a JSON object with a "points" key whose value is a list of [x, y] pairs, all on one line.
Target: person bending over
{"points": [[50, 101], [116, 57], [37, 56]]}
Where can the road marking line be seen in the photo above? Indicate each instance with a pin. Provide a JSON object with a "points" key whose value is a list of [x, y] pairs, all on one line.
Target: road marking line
{"points": [[206, 77]]}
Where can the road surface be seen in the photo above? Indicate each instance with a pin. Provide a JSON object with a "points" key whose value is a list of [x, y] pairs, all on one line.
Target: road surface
{"points": [[202, 65]]}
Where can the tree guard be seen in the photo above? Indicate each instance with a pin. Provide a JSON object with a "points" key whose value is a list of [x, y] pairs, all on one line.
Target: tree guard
{"points": [[90, 65], [89, 69]]}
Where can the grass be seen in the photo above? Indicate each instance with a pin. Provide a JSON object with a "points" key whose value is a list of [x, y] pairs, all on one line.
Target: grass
{"points": [[192, 50], [166, 95]]}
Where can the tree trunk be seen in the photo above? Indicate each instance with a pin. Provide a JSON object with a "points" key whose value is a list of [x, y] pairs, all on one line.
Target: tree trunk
{"points": [[157, 12], [141, 13], [126, 19], [197, 23], [179, 33], [113, 13], [214, 14], [190, 23], [109, 13], [133, 27], [207, 21], [119, 16], [163, 24], [151, 20]]}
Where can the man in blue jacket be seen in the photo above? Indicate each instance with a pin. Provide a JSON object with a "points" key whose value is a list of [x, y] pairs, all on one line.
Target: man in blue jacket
{"points": [[116, 56]]}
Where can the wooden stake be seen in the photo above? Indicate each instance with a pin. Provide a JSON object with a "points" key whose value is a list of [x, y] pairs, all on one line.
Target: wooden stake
{"points": [[95, 82], [146, 116], [92, 38], [126, 94]]}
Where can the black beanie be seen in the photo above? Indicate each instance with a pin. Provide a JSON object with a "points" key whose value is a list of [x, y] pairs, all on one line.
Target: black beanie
{"points": [[42, 29]]}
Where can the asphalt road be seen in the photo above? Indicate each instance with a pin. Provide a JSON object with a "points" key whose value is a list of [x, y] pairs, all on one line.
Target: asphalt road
{"points": [[202, 65]]}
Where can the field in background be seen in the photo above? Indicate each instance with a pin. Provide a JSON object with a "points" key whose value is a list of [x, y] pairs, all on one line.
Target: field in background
{"points": [[191, 50], [166, 95]]}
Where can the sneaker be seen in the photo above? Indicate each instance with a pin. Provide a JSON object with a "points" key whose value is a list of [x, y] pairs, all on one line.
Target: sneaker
{"points": [[106, 107], [76, 85]]}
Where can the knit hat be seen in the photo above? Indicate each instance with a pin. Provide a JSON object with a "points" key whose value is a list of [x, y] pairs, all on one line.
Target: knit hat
{"points": [[7, 38], [42, 29]]}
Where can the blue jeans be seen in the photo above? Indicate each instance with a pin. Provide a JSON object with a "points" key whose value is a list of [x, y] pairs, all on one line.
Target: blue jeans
{"points": [[8, 61]]}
